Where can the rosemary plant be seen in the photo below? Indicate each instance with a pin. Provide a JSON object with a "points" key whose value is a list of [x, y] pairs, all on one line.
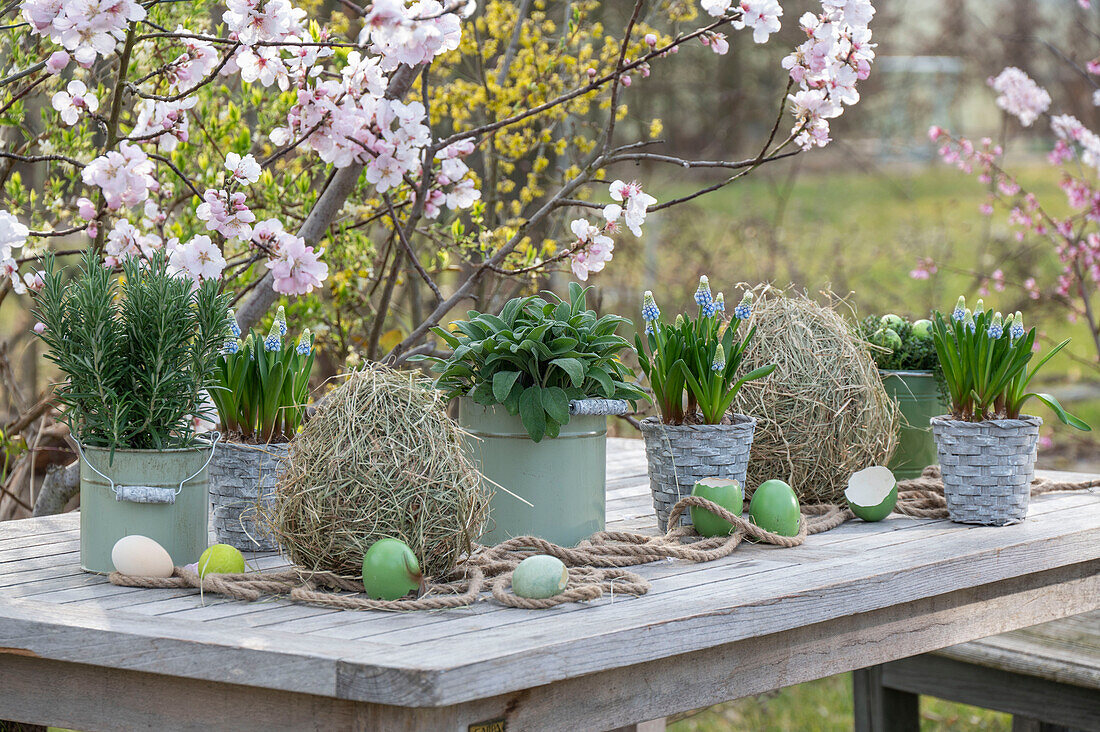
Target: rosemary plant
{"points": [[137, 354]]}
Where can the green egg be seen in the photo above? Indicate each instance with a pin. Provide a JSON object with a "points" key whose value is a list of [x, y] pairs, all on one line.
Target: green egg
{"points": [[726, 493], [540, 577], [774, 508], [390, 570], [221, 559]]}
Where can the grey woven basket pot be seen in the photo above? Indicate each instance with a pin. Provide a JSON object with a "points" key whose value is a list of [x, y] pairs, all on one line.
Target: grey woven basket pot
{"points": [[679, 456], [241, 478], [987, 468]]}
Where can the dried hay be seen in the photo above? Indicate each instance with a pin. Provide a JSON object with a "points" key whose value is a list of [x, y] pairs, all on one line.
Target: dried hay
{"points": [[381, 458], [823, 413]]}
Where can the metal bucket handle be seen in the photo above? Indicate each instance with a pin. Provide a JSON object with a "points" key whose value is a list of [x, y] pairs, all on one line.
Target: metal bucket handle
{"points": [[148, 493]]}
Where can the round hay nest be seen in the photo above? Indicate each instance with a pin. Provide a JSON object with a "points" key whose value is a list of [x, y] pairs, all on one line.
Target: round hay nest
{"points": [[823, 413], [380, 458]]}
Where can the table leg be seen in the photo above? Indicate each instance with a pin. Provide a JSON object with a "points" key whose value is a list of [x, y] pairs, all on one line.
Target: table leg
{"points": [[879, 708]]}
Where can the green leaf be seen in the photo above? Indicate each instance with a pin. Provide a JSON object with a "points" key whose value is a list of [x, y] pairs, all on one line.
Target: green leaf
{"points": [[573, 367], [502, 384], [607, 386], [531, 412], [556, 404], [1063, 415]]}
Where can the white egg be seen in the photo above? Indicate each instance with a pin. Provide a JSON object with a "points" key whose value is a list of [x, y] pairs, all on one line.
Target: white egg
{"points": [[140, 556]]}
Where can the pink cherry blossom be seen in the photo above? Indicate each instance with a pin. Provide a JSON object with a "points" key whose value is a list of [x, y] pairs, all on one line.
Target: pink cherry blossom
{"points": [[57, 62], [85, 208], [125, 176], [199, 258], [168, 119], [924, 270], [226, 213], [592, 249], [634, 202], [243, 169], [760, 15], [190, 67], [298, 269], [12, 234], [75, 99], [87, 28], [1020, 96], [125, 241]]}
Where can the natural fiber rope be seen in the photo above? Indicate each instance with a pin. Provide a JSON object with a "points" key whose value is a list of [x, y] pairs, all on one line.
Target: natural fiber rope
{"points": [[595, 566]]}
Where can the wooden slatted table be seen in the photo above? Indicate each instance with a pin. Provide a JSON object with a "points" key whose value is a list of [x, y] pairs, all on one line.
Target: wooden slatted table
{"points": [[78, 652], [1047, 676]]}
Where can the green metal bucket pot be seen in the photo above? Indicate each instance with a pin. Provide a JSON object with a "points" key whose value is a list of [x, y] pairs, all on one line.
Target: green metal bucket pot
{"points": [[107, 512], [563, 478], [918, 396]]}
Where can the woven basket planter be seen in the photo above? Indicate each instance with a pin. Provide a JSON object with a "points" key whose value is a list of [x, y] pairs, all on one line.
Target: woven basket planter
{"points": [[242, 477], [681, 455], [987, 468]]}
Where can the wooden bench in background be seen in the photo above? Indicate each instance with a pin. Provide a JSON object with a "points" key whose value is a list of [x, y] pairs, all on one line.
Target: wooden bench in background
{"points": [[1047, 676]]}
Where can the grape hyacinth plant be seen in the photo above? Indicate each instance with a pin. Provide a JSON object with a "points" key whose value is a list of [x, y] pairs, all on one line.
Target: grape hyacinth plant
{"points": [[263, 382], [985, 359], [692, 364]]}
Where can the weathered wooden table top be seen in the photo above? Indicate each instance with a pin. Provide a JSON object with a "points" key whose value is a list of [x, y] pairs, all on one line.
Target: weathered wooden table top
{"points": [[762, 618]]}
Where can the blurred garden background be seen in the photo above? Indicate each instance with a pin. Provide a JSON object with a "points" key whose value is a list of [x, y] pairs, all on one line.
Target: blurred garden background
{"points": [[876, 218]]}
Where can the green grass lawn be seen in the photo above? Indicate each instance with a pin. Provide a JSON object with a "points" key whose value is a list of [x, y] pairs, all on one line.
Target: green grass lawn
{"points": [[826, 706]]}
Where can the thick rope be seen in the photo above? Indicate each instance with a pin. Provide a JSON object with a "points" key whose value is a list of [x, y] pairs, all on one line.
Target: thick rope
{"points": [[595, 566]]}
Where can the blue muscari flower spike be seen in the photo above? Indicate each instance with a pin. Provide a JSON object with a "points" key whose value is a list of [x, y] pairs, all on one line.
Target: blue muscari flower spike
{"points": [[719, 362], [702, 293], [280, 320], [1017, 329], [960, 310], [744, 309], [979, 308], [968, 321], [250, 346], [231, 321], [649, 329], [679, 320], [650, 311], [712, 307], [996, 329], [304, 343], [274, 340], [231, 345]]}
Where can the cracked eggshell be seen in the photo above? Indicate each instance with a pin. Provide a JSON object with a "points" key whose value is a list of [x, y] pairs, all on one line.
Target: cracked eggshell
{"points": [[872, 493], [141, 556], [728, 494]]}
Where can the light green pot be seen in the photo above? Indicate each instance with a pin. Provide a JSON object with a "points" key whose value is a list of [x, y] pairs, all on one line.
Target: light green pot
{"points": [[918, 396], [563, 478], [180, 527]]}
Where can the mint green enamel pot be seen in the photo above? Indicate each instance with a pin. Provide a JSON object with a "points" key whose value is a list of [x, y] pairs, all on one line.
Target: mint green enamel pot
{"points": [[918, 397], [180, 526], [563, 478]]}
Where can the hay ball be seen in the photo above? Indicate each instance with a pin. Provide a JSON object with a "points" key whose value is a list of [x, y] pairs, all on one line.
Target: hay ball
{"points": [[823, 413], [381, 458]]}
